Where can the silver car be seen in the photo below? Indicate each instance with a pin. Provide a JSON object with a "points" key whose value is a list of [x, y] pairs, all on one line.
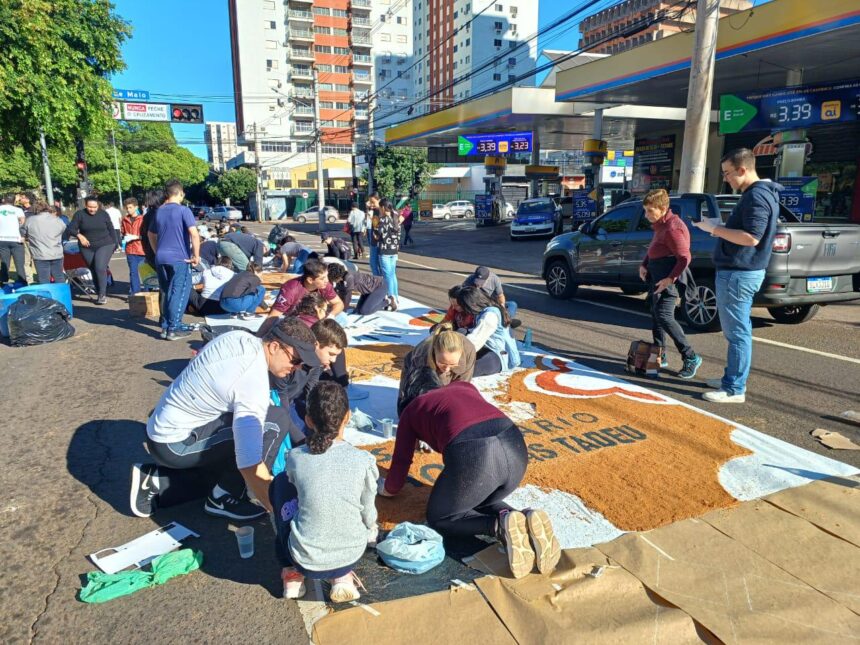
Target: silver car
{"points": [[312, 215], [225, 213], [461, 208]]}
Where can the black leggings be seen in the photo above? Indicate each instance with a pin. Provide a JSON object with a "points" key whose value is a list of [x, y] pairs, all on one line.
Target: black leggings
{"points": [[486, 363], [189, 469], [97, 260], [204, 306], [663, 322], [483, 465], [357, 247], [371, 302]]}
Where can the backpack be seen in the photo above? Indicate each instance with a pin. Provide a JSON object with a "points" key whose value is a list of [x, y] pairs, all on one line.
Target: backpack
{"points": [[644, 358]]}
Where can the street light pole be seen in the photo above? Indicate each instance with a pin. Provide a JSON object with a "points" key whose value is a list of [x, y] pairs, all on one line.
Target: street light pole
{"points": [[116, 166], [318, 147], [49, 186]]}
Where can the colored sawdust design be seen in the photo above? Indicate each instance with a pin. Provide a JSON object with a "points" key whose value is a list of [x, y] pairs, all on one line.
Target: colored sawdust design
{"points": [[274, 279], [427, 320], [366, 361]]}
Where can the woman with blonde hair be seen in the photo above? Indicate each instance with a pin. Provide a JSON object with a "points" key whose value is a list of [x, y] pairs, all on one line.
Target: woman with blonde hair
{"points": [[449, 354]]}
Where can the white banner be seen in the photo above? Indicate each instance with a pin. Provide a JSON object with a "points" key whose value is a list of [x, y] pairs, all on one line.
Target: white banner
{"points": [[146, 111]]}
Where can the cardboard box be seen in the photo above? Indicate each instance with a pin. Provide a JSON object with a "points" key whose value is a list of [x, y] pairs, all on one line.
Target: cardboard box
{"points": [[145, 305]]}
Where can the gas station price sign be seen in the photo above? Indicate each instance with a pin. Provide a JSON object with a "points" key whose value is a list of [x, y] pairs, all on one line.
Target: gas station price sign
{"points": [[494, 144], [790, 107]]}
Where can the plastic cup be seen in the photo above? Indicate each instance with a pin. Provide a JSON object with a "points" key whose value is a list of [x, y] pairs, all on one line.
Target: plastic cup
{"points": [[387, 428], [245, 538]]}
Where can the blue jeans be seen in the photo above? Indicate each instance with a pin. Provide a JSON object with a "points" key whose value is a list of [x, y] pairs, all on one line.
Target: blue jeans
{"points": [[247, 303], [134, 261], [735, 292], [174, 280], [375, 267], [511, 306], [388, 265], [299, 262]]}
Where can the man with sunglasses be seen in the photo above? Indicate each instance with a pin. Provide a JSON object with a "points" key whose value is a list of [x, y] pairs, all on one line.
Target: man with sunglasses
{"points": [[214, 433]]}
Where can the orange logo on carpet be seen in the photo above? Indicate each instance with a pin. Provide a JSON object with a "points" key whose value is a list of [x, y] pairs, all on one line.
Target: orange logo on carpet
{"points": [[427, 320]]}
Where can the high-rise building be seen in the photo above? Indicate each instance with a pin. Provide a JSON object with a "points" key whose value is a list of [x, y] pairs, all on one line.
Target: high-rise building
{"points": [[392, 60], [277, 45], [598, 31], [466, 47], [221, 143]]}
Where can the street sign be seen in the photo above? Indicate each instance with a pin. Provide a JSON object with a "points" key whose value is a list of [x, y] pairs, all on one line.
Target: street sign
{"points": [[799, 196], [490, 144], [146, 112], [131, 95], [790, 107]]}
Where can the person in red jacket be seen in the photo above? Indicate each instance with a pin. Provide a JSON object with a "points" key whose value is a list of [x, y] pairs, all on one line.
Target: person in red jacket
{"points": [[485, 459], [665, 264], [134, 254]]}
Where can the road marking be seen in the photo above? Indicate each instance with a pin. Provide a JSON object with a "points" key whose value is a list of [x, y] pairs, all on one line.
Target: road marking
{"points": [[776, 343]]}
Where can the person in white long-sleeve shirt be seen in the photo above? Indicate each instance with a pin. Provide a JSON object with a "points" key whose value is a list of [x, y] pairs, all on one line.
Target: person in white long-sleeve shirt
{"points": [[214, 432], [490, 334]]}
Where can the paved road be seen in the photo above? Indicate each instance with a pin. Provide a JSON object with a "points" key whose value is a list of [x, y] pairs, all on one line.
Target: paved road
{"points": [[74, 414]]}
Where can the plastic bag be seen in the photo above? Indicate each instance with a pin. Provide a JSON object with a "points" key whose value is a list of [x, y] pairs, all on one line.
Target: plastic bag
{"points": [[411, 548], [34, 320], [278, 232]]}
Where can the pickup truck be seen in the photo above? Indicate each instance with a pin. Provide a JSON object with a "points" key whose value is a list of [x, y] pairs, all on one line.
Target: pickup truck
{"points": [[812, 264]]}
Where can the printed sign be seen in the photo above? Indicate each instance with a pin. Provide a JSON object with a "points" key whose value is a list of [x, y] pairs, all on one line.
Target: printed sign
{"points": [[799, 196], [131, 95], [116, 110], [484, 207], [146, 111], [494, 144], [787, 108], [584, 208], [653, 163]]}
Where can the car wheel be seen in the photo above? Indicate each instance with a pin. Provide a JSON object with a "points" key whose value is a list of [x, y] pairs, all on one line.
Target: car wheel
{"points": [[700, 310], [559, 281], [331, 219], [468, 214], [632, 291], [301, 219], [793, 315], [446, 216]]}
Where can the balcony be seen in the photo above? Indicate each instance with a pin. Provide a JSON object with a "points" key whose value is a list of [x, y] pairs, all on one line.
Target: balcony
{"points": [[298, 14], [361, 4], [300, 34], [302, 130], [303, 92], [364, 79], [361, 59], [302, 3], [300, 53], [362, 115], [359, 21], [303, 112]]}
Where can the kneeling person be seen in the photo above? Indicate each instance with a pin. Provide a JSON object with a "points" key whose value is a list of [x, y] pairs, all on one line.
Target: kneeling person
{"points": [[213, 433]]}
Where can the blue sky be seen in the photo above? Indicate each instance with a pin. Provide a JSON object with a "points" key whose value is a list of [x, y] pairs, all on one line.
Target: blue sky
{"points": [[181, 50]]}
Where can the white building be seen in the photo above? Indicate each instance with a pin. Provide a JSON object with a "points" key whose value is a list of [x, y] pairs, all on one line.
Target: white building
{"points": [[393, 43], [488, 50], [221, 144]]}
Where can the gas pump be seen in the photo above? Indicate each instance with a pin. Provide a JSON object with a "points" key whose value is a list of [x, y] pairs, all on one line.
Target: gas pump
{"points": [[490, 207]]}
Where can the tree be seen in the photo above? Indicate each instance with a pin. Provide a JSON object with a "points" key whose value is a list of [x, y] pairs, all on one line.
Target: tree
{"points": [[235, 185], [55, 62], [397, 169], [17, 171]]}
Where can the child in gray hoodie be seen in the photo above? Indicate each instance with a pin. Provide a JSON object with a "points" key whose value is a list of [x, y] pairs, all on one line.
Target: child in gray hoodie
{"points": [[325, 501]]}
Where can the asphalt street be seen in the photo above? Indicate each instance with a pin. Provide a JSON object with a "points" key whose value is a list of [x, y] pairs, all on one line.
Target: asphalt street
{"points": [[75, 414]]}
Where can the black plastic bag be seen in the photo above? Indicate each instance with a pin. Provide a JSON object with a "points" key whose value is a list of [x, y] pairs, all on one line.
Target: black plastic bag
{"points": [[34, 320], [278, 233]]}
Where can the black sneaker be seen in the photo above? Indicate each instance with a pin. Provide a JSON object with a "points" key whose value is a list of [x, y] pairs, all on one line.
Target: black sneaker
{"points": [[515, 322], [224, 504], [144, 489], [691, 366], [178, 334]]}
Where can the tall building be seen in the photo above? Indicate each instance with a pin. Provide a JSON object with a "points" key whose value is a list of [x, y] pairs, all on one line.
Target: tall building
{"points": [[276, 45], [221, 143], [392, 60], [465, 47], [596, 31]]}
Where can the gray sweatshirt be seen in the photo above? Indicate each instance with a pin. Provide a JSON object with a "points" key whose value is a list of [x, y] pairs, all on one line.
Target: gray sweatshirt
{"points": [[337, 505]]}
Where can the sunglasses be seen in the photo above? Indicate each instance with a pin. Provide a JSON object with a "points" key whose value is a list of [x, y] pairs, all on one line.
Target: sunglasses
{"points": [[295, 359]]}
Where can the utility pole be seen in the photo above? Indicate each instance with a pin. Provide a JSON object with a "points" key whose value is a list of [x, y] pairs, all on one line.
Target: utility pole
{"points": [[116, 167], [49, 187], [318, 147], [258, 162], [699, 95]]}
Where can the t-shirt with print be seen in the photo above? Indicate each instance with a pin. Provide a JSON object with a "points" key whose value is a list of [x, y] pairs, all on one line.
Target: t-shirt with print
{"points": [[172, 222], [389, 235], [10, 223], [292, 291]]}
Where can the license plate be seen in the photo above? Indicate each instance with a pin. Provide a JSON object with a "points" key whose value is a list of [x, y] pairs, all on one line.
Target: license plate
{"points": [[528, 229], [817, 285]]}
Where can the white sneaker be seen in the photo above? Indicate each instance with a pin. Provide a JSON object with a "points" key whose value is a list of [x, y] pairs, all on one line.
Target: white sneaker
{"points": [[345, 588], [721, 396], [294, 583], [714, 383]]}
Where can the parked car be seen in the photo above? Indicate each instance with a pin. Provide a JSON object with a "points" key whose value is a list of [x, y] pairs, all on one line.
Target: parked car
{"points": [[536, 217], [225, 213], [441, 211], [312, 215], [812, 264], [202, 212], [461, 208]]}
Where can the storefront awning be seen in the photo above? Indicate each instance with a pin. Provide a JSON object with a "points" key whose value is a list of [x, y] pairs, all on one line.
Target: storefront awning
{"points": [[452, 172]]}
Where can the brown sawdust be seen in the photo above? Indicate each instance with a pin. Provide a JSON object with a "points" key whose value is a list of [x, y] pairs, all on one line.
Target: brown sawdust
{"points": [[366, 361], [274, 279]]}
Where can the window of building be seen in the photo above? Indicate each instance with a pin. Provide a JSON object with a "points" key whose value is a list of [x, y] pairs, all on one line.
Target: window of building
{"points": [[270, 24], [497, 25], [326, 105], [497, 43], [340, 105], [322, 30], [385, 38], [321, 11], [468, 59], [340, 87], [271, 44], [326, 87], [339, 32], [401, 20], [322, 67], [468, 42], [341, 69], [271, 64], [341, 50], [512, 62], [497, 77], [512, 44], [322, 49], [500, 7], [401, 39], [269, 4], [340, 13]]}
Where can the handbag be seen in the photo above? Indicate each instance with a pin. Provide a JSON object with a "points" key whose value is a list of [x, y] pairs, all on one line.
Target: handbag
{"points": [[643, 358], [347, 228]]}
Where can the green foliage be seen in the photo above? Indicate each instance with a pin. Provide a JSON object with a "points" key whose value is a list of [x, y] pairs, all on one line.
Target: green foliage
{"points": [[395, 168], [234, 185], [55, 61], [17, 171]]}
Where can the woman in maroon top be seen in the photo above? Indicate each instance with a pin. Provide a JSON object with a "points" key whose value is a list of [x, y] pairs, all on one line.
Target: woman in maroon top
{"points": [[485, 459], [665, 264]]}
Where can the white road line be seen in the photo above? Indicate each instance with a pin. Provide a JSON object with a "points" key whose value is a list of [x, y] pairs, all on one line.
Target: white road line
{"points": [[776, 343]]}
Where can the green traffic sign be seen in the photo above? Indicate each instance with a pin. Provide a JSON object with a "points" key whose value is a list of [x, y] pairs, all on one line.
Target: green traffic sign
{"points": [[464, 146], [735, 114]]}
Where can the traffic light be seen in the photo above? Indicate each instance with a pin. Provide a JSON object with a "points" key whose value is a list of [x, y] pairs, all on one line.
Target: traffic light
{"points": [[186, 113], [80, 161]]}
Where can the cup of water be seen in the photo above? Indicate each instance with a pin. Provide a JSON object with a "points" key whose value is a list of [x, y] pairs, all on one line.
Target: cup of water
{"points": [[387, 428], [245, 539]]}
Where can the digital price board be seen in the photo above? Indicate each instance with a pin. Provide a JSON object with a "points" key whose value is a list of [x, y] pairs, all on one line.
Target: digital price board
{"points": [[494, 144], [790, 107]]}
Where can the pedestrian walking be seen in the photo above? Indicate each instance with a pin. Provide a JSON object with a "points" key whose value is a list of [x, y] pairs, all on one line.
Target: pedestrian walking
{"points": [[357, 222], [11, 242], [665, 264], [373, 215], [177, 248], [44, 230], [116, 220], [406, 221], [134, 253], [388, 242], [97, 238], [741, 256]]}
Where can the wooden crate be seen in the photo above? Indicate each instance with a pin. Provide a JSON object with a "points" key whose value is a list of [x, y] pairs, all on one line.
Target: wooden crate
{"points": [[145, 305]]}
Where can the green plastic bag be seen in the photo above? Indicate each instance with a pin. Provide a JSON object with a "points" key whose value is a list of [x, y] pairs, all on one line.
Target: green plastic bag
{"points": [[102, 587]]}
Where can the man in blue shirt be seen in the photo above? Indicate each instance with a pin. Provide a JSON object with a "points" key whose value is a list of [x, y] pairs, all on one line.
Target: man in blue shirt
{"points": [[176, 242], [741, 256]]}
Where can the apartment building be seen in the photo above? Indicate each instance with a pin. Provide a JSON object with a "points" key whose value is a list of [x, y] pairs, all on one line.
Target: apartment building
{"points": [[466, 47], [602, 33], [392, 60], [221, 144]]}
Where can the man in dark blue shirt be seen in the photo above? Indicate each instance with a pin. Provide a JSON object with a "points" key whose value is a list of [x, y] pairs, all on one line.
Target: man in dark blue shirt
{"points": [[242, 247], [741, 256]]}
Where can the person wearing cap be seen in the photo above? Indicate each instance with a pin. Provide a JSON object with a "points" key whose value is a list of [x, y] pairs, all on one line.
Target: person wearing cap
{"points": [[214, 433], [489, 283]]}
